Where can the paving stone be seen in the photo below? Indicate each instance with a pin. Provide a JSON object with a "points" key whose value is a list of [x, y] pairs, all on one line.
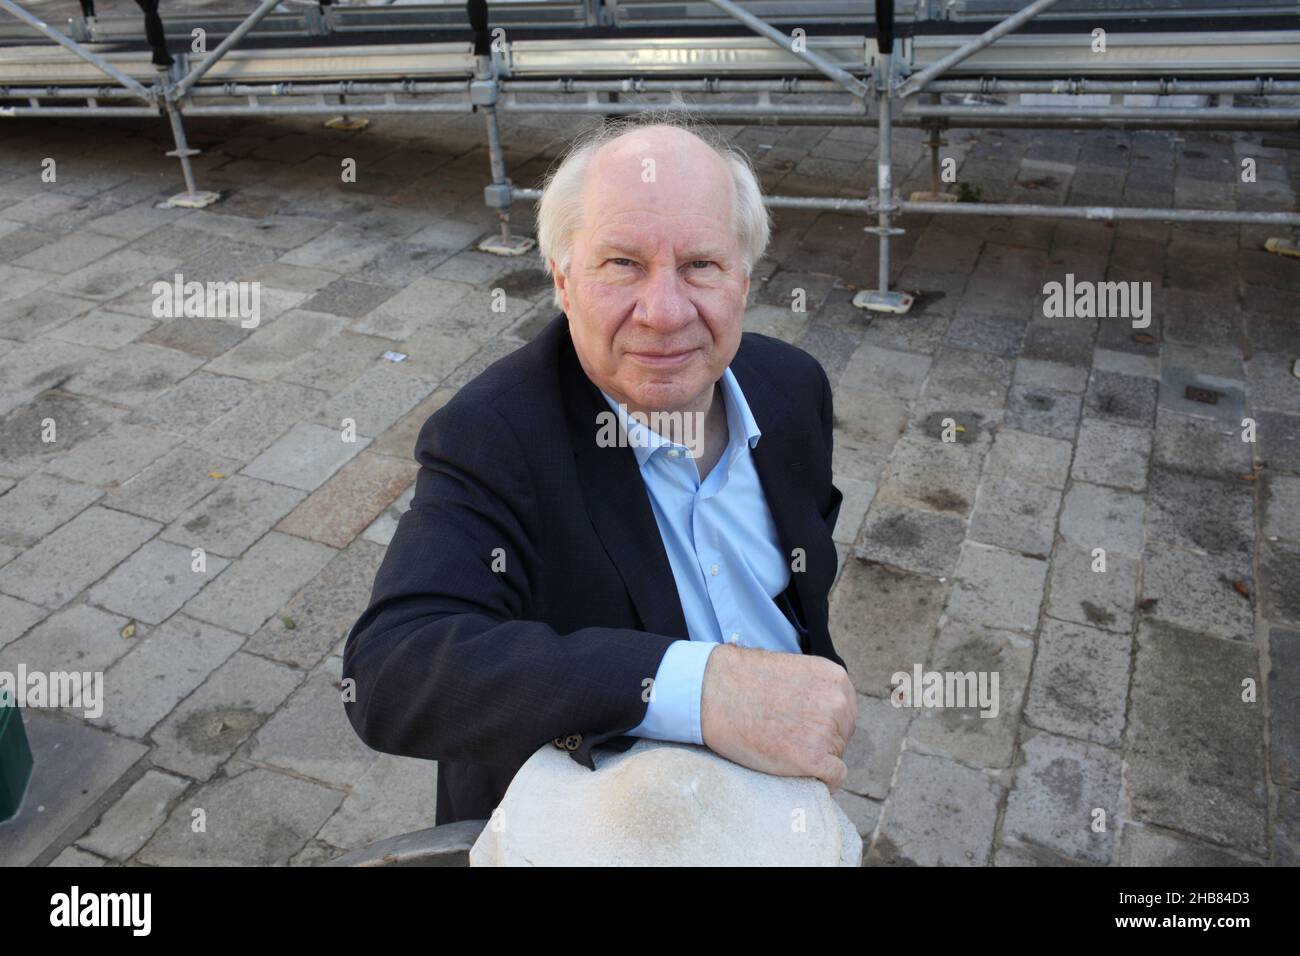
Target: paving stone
{"points": [[338, 362], [259, 582], [110, 458], [1080, 683], [258, 818], [381, 530], [427, 302], [191, 405], [1270, 382], [1043, 411], [311, 735], [997, 589], [921, 333], [1015, 515], [69, 252], [981, 332], [78, 638], [17, 618], [1279, 580], [199, 735], [72, 857], [1058, 787], [1201, 514], [342, 508], [1196, 592], [900, 374], [873, 749], [1029, 458], [965, 734], [161, 670], [1149, 846], [1064, 345], [867, 424], [1278, 437], [1195, 758], [102, 329], [130, 822], [40, 313], [77, 766], [1103, 599], [305, 457], [882, 621], [1126, 363], [1284, 706], [938, 814], [399, 440], [863, 813], [969, 428], [291, 278], [349, 297], [54, 571], [172, 484], [1017, 854], [115, 274], [272, 350], [1228, 407], [1127, 399], [229, 520], [38, 505], [1199, 361], [324, 611], [936, 476], [432, 355], [1200, 446], [153, 583], [396, 795], [910, 539], [973, 378], [1286, 829], [1111, 454], [31, 368], [376, 400], [257, 421], [1095, 516], [1032, 373], [853, 509], [1279, 506]]}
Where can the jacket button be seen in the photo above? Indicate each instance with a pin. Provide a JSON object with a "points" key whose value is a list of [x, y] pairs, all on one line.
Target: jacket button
{"points": [[558, 743], [572, 742]]}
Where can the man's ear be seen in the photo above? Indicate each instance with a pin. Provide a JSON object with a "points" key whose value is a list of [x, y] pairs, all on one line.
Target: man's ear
{"points": [[561, 285]]}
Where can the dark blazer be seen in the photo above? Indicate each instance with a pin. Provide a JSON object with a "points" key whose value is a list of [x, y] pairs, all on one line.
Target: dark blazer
{"points": [[476, 668]]}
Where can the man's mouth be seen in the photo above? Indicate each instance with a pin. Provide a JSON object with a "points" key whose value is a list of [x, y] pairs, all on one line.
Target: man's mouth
{"points": [[662, 359]]}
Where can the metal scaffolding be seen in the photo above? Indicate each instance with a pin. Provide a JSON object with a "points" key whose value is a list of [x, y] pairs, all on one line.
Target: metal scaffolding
{"points": [[585, 56]]}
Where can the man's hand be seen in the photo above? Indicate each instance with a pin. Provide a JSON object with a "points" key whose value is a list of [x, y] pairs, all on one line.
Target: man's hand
{"points": [[786, 714]]}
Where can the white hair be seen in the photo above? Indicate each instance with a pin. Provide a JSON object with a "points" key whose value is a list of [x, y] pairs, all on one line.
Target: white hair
{"points": [[559, 212]]}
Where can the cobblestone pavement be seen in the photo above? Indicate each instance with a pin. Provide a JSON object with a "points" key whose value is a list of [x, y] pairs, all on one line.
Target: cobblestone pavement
{"points": [[1120, 691]]}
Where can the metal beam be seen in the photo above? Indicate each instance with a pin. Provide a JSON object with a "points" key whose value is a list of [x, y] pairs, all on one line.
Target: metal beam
{"points": [[209, 61], [96, 61], [970, 48], [843, 77]]}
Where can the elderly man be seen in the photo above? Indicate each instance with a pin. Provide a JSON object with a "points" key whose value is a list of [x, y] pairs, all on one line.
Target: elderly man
{"points": [[558, 581]]}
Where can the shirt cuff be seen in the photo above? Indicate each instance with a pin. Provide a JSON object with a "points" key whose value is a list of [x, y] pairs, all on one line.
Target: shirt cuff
{"points": [[673, 712]]}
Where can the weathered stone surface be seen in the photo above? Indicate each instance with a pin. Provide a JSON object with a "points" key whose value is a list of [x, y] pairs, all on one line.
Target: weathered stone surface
{"points": [[1079, 592], [1196, 592], [131, 821], [1095, 516], [1058, 791], [938, 814], [233, 517], [997, 589], [1015, 515], [339, 510], [1284, 706], [1195, 748], [663, 804], [1148, 846], [153, 583], [1080, 683], [1030, 458], [38, 505], [911, 539], [1112, 454], [305, 457]]}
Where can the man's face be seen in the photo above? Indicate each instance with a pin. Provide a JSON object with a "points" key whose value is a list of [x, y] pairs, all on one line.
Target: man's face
{"points": [[656, 289]]}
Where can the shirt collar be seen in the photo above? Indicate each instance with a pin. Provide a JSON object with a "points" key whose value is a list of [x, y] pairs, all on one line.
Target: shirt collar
{"points": [[741, 425]]}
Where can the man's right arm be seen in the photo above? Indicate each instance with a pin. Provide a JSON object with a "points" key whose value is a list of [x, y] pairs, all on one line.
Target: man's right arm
{"points": [[445, 662]]}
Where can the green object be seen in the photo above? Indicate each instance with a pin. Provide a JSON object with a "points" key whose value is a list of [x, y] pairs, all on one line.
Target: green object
{"points": [[15, 758]]}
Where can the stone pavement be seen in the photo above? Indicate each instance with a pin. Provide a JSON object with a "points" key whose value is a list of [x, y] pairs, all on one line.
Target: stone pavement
{"points": [[1122, 736]]}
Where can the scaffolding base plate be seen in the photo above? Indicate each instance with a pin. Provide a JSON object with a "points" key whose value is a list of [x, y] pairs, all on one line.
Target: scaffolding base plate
{"points": [[514, 246], [1282, 247], [347, 124], [197, 200], [897, 302]]}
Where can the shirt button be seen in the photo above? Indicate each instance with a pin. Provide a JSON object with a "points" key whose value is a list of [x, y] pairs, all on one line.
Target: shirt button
{"points": [[713, 570], [674, 453], [734, 639]]}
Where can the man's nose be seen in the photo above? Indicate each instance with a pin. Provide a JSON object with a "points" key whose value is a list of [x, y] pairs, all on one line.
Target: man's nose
{"points": [[665, 303]]}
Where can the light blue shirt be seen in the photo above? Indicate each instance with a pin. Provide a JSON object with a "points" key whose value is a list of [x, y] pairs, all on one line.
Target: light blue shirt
{"points": [[725, 556]]}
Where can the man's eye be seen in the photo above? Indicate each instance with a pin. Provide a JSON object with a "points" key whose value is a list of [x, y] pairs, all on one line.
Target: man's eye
{"points": [[621, 261], [705, 262]]}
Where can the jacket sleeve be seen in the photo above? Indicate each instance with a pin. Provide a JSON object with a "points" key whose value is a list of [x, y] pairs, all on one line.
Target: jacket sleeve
{"points": [[446, 663]]}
